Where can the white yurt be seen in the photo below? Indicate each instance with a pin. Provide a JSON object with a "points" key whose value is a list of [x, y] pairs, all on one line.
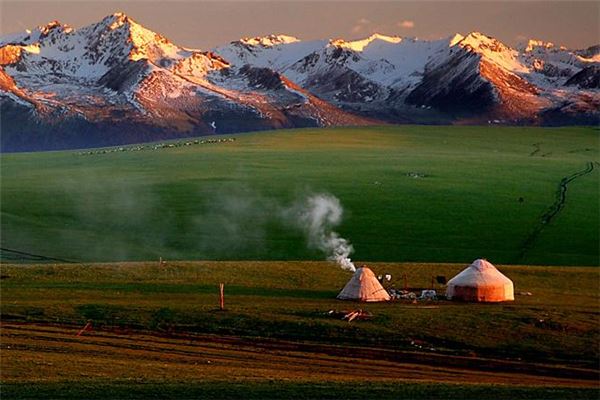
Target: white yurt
{"points": [[480, 281], [364, 286]]}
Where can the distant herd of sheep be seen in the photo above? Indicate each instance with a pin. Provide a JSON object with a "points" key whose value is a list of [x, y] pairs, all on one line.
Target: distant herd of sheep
{"points": [[156, 146]]}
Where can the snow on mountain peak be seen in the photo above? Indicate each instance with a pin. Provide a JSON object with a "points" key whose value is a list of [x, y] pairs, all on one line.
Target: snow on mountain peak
{"points": [[479, 41], [33, 36], [493, 51], [136, 41], [116, 71], [52, 25], [455, 39], [117, 19], [533, 44], [270, 40], [91, 51], [359, 45]]}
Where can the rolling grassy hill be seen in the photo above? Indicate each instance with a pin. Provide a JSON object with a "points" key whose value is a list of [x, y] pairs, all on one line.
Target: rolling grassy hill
{"points": [[410, 193]]}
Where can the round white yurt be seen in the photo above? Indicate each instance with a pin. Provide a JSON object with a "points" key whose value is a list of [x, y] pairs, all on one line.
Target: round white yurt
{"points": [[364, 286], [480, 281]]}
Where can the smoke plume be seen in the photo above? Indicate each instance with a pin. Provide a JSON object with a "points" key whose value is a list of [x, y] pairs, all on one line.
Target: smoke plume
{"points": [[238, 220], [317, 215]]}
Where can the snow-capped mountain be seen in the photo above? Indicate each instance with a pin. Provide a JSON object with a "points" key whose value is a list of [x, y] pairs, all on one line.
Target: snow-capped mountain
{"points": [[473, 78], [116, 82]]}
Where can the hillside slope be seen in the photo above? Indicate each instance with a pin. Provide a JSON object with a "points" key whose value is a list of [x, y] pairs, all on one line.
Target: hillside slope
{"points": [[411, 193]]}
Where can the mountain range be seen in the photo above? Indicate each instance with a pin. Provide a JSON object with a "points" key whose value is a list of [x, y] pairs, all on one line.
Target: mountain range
{"points": [[116, 82]]}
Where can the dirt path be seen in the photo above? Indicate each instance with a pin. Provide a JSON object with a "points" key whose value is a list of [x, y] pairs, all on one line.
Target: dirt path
{"points": [[555, 208], [34, 352]]}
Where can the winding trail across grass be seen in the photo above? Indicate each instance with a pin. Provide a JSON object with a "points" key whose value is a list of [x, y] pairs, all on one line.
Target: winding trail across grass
{"points": [[555, 208]]}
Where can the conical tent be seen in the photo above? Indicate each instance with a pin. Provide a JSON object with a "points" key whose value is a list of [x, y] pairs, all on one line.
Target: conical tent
{"points": [[364, 286], [480, 281]]}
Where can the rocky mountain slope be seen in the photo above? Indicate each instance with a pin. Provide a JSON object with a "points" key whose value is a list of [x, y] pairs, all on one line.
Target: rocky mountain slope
{"points": [[116, 82]]}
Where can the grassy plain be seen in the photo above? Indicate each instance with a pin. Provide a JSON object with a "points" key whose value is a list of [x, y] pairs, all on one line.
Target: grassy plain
{"points": [[432, 195], [479, 192], [288, 300], [157, 332]]}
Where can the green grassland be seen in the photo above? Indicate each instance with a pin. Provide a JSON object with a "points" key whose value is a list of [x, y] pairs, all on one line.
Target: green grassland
{"points": [[288, 300], [219, 201], [174, 310]]}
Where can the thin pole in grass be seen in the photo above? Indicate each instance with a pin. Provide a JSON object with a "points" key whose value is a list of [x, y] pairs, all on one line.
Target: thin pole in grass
{"points": [[87, 327], [221, 296]]}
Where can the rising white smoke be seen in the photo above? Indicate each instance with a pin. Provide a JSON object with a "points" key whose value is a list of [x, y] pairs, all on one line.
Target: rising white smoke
{"points": [[317, 215]]}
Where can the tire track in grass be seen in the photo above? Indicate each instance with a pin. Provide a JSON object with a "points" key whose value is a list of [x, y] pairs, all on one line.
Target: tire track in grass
{"points": [[536, 150], [16, 255], [555, 208]]}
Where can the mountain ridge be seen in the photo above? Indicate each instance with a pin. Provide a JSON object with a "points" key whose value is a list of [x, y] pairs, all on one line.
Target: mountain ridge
{"points": [[117, 82]]}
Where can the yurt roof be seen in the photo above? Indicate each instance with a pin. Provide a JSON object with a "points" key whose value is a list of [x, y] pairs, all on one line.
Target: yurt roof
{"points": [[364, 286], [480, 273]]}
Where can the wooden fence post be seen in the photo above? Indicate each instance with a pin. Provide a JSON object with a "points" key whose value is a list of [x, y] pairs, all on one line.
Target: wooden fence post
{"points": [[221, 296]]}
